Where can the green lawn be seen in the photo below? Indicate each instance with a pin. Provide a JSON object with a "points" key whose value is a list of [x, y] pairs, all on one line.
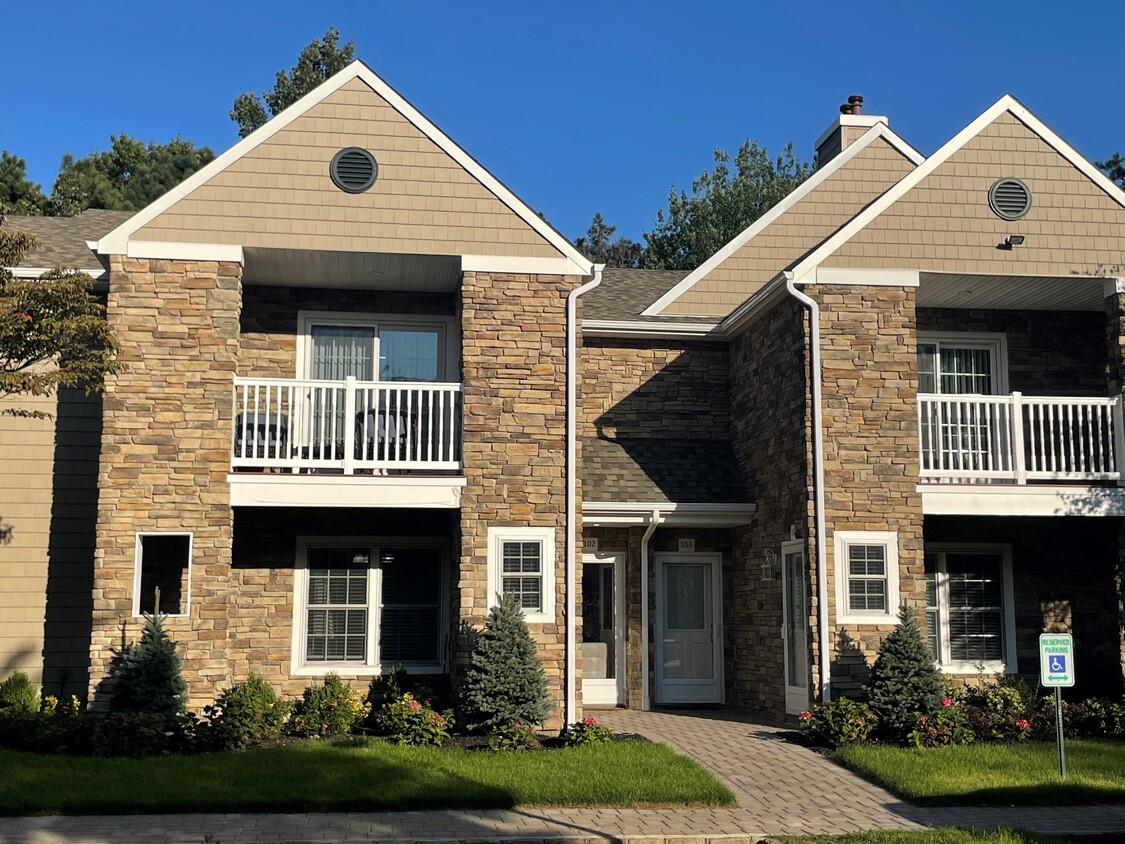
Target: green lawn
{"points": [[1022, 774], [360, 775], [933, 836]]}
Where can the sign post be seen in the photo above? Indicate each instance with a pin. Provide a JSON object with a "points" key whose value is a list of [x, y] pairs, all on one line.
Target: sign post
{"points": [[1056, 671]]}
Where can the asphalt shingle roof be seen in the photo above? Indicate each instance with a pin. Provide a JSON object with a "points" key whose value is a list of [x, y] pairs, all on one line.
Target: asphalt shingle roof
{"points": [[62, 240], [661, 470], [624, 293]]}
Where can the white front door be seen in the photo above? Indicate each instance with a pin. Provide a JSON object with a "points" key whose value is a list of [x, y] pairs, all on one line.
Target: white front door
{"points": [[603, 630], [688, 629], [794, 631]]}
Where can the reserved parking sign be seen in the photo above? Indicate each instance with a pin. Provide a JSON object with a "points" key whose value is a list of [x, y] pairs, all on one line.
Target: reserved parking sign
{"points": [[1056, 660]]}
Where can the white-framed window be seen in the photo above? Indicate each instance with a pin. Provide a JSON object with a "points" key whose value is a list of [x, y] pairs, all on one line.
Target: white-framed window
{"points": [[962, 362], [364, 605], [521, 561], [970, 608], [162, 573], [375, 347], [867, 579]]}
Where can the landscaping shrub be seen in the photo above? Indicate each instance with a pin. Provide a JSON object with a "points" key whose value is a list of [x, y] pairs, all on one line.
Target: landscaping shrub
{"points": [[247, 714], [586, 731], [329, 709], [838, 722], [393, 685], [945, 725], [409, 721], [997, 712], [904, 681], [148, 675], [18, 696], [504, 683], [513, 737], [62, 727], [133, 734]]}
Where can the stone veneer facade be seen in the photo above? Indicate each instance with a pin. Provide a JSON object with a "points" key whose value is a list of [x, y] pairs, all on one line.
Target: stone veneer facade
{"points": [[166, 452]]}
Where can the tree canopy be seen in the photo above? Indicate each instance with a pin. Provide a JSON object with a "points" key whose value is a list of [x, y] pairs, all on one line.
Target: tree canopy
{"points": [[1114, 167], [53, 331], [319, 60], [18, 194], [600, 246]]}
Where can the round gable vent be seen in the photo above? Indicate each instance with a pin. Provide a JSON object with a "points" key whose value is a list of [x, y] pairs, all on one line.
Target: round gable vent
{"points": [[353, 170], [1009, 199]]}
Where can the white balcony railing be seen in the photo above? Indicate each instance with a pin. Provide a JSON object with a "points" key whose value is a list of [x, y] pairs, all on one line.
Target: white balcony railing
{"points": [[348, 426], [1017, 438]]}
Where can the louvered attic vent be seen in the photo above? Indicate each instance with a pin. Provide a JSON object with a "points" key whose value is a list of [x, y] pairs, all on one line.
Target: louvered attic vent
{"points": [[353, 170], [1009, 199]]}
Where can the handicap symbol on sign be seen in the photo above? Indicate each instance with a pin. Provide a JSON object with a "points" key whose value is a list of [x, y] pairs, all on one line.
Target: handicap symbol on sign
{"points": [[1058, 664]]}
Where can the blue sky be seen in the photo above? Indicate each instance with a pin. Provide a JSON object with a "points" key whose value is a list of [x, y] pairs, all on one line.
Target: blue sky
{"points": [[577, 106]]}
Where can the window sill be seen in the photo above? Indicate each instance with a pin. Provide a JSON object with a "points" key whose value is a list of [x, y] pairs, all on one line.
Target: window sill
{"points": [[883, 619], [981, 668], [353, 669], [538, 618]]}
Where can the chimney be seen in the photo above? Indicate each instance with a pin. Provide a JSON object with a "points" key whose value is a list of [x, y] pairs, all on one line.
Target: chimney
{"points": [[845, 130]]}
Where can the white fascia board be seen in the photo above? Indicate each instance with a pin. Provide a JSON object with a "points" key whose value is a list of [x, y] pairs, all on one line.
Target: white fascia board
{"points": [[1003, 500], [879, 130], [652, 330], [767, 296], [514, 264], [174, 251], [115, 241], [1006, 103], [289, 490], [606, 513], [869, 278], [36, 272]]}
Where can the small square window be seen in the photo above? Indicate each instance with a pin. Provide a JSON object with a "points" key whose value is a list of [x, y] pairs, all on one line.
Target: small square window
{"points": [[520, 562], [163, 576], [866, 577]]}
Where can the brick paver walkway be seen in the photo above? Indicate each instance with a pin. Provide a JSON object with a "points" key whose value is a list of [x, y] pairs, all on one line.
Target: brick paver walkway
{"points": [[782, 788]]}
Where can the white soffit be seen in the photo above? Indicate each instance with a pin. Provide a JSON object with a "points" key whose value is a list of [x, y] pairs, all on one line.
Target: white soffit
{"points": [[289, 490], [1032, 293], [999, 500], [352, 270]]}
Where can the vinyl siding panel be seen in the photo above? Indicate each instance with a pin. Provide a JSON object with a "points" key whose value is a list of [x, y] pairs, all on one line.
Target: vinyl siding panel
{"points": [[280, 194], [806, 224], [944, 224]]}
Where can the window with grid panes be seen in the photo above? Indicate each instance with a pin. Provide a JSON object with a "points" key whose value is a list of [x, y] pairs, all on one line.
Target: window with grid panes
{"points": [[522, 572], [867, 578], [966, 615], [336, 627]]}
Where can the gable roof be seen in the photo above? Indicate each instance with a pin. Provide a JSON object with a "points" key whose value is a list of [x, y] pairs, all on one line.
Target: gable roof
{"points": [[804, 267], [63, 241], [880, 131], [625, 293], [117, 241], [651, 469]]}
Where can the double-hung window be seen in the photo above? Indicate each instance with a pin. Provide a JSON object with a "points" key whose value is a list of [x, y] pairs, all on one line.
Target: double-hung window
{"points": [[970, 620], [363, 607], [867, 577], [521, 562]]}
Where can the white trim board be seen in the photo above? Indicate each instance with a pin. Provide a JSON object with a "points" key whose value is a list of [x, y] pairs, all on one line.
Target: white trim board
{"points": [[609, 513], [116, 241], [880, 130], [249, 489], [658, 330], [1007, 103], [35, 272], [1008, 500]]}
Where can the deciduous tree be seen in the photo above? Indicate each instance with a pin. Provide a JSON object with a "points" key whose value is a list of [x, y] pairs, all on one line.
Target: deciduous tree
{"points": [[316, 62]]}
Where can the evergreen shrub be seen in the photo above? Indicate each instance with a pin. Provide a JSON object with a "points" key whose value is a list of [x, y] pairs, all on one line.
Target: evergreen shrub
{"points": [[904, 681]]}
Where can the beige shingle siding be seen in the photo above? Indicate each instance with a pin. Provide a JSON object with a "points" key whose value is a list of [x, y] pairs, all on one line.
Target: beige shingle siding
{"points": [[810, 221], [280, 194], [945, 223], [44, 502]]}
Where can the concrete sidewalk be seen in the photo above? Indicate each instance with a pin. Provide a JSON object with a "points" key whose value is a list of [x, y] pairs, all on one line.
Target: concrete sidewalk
{"points": [[782, 788]]}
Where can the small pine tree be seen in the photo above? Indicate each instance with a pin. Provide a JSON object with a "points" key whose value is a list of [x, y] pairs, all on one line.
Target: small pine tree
{"points": [[504, 683], [148, 675], [904, 680]]}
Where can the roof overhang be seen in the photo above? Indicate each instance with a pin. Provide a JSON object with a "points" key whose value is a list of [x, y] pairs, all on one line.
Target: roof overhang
{"points": [[625, 514], [652, 329]]}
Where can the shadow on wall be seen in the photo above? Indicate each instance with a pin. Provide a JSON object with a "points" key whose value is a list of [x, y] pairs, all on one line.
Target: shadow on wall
{"points": [[849, 668], [70, 550]]}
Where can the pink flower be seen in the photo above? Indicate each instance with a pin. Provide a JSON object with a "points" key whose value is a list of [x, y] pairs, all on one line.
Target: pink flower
{"points": [[414, 705], [1023, 724], [589, 719], [946, 702], [805, 715]]}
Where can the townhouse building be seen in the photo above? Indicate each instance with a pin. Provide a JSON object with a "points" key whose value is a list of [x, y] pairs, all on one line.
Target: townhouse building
{"points": [[368, 390]]}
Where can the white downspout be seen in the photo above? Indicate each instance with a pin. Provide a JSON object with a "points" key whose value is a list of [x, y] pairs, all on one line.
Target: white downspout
{"points": [[818, 487], [654, 521], [570, 714]]}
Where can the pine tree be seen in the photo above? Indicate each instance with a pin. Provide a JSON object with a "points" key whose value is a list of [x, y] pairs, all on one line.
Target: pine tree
{"points": [[904, 679], [148, 675], [504, 683]]}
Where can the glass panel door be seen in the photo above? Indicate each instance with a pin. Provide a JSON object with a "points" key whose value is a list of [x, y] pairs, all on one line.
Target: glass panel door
{"points": [[336, 352], [687, 654], [966, 431], [598, 622], [794, 597], [408, 354]]}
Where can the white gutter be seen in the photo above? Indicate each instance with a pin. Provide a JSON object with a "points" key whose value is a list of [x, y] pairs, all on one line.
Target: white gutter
{"points": [[653, 523], [818, 486], [570, 715]]}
